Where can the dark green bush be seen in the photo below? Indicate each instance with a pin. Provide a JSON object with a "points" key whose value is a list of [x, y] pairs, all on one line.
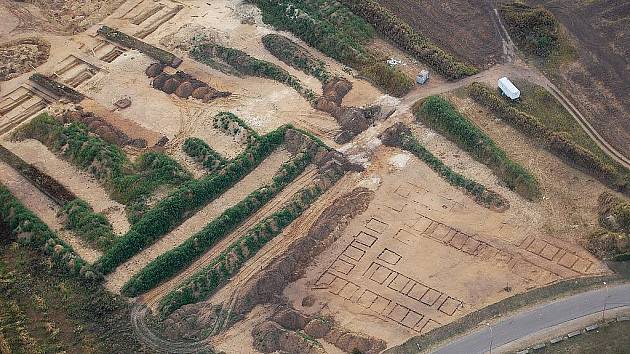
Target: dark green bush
{"points": [[34, 233], [208, 280], [123, 39], [203, 154], [442, 116], [91, 227], [177, 259], [534, 29], [190, 196], [557, 143], [296, 56]]}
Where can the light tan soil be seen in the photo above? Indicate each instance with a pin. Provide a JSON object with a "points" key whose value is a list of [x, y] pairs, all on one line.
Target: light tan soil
{"points": [[80, 183], [44, 208], [255, 179]]}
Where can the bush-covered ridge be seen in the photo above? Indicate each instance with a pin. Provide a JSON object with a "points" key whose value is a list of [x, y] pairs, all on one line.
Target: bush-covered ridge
{"points": [[248, 65], [558, 143], [202, 153], [612, 240], [127, 182], [307, 20], [409, 40], [399, 135], [439, 114], [534, 29], [33, 232], [177, 259], [185, 200], [296, 56], [91, 227]]}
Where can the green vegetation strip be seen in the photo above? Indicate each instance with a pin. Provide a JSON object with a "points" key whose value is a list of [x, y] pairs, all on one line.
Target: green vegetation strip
{"points": [[185, 200], [612, 240], [158, 54], [217, 273], [403, 35], [177, 259], [248, 65], [439, 114], [127, 182], [296, 56], [34, 233], [534, 29], [480, 193], [559, 143], [500, 309], [202, 153], [316, 23], [91, 227]]}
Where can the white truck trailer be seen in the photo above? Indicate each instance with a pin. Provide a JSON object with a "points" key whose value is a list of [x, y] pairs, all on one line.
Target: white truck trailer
{"points": [[507, 88]]}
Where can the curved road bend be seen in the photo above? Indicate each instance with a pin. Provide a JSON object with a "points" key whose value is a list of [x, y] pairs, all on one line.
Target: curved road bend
{"points": [[538, 319]]}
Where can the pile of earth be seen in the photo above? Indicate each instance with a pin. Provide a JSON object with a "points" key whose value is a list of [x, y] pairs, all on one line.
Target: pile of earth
{"points": [[102, 128], [182, 84], [21, 56]]}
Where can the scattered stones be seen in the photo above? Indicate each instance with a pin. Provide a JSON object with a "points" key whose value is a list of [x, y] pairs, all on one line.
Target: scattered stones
{"points": [[21, 56]]}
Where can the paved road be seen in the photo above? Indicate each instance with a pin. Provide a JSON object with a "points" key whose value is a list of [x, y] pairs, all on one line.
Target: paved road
{"points": [[538, 319]]}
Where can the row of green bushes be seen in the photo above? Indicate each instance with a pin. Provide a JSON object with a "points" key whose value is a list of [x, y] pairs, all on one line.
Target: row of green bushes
{"points": [[397, 30], [534, 29], [558, 143], [340, 17], [126, 181], [185, 200], [91, 227], [479, 192], [33, 232], [202, 153], [180, 257], [439, 114], [125, 40], [296, 56], [223, 119], [307, 21], [248, 65], [217, 273]]}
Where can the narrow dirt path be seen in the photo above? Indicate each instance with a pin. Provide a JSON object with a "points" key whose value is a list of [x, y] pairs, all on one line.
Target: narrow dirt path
{"points": [[255, 179], [44, 208]]}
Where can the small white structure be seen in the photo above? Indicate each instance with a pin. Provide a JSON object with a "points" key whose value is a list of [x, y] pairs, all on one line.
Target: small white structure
{"points": [[422, 77], [393, 62], [507, 88]]}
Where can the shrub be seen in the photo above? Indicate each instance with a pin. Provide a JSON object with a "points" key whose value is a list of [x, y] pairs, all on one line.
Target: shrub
{"points": [[180, 204], [208, 280], [177, 259], [32, 232], [442, 116], [404, 36], [91, 227], [296, 56], [310, 22], [406, 141], [534, 29], [558, 143], [203, 154]]}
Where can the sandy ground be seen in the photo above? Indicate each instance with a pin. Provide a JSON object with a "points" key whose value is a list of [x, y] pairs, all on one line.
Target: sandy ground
{"points": [[259, 177], [424, 254], [44, 208], [80, 183]]}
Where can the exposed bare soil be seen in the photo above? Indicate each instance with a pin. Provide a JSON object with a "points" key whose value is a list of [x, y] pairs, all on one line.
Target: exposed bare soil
{"points": [[462, 27]]}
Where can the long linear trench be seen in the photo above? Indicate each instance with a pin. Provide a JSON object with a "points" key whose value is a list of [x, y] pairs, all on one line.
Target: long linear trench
{"points": [[262, 175]]}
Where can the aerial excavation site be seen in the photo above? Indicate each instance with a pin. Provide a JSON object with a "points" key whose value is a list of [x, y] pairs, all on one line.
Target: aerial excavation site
{"points": [[315, 176]]}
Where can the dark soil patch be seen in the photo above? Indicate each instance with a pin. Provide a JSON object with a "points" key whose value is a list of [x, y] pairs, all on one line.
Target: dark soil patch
{"points": [[462, 27]]}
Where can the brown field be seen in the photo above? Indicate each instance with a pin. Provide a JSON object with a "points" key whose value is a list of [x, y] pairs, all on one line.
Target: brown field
{"points": [[462, 27]]}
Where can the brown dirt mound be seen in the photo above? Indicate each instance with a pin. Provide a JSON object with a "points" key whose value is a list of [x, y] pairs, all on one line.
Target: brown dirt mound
{"points": [[102, 128], [21, 56]]}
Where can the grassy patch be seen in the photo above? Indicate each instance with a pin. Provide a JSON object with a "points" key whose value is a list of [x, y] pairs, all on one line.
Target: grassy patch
{"points": [[203, 154], [439, 114], [612, 338], [91, 227], [296, 56], [43, 310]]}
